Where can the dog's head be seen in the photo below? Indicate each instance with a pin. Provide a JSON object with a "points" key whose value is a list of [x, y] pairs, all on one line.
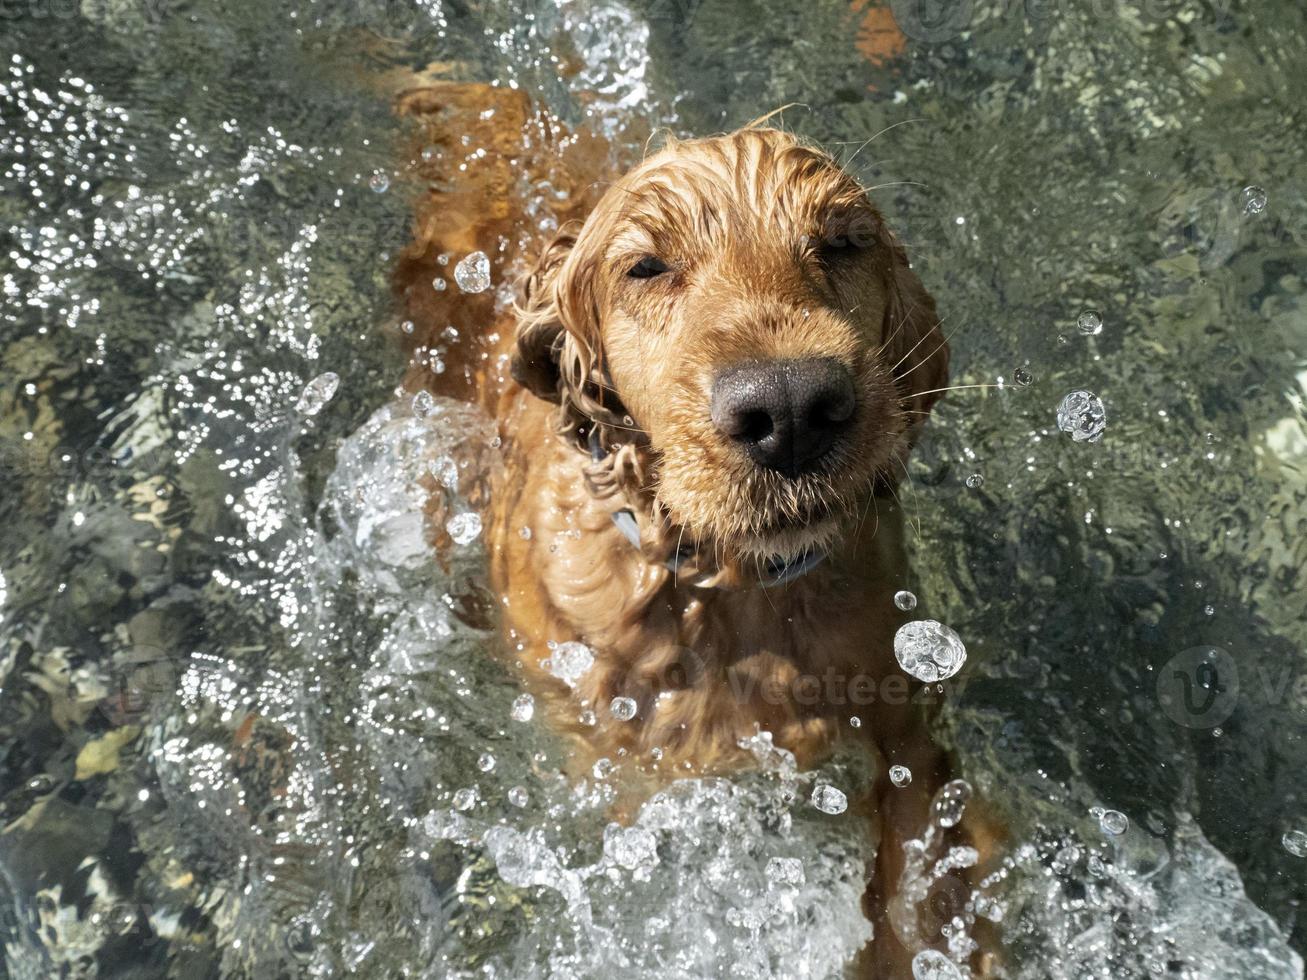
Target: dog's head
{"points": [[740, 305]]}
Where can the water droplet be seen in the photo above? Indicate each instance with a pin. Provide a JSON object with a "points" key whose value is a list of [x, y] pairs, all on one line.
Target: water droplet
{"points": [[1295, 842], [931, 964], [602, 769], [975, 481], [423, 404], [439, 284], [429, 153], [407, 326], [855, 721], [1253, 199], [524, 533], [900, 776], [379, 182], [905, 600], [785, 871], [588, 718], [1113, 823], [623, 709], [828, 799], [317, 393], [465, 799], [524, 706], [442, 258], [951, 802], [928, 650], [486, 762], [464, 528], [445, 470], [473, 273], [518, 796], [1022, 378], [569, 661], [1090, 323], [1081, 413]]}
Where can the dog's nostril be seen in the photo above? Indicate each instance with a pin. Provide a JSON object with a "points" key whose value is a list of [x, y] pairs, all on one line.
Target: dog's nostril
{"points": [[835, 409], [785, 414], [755, 426]]}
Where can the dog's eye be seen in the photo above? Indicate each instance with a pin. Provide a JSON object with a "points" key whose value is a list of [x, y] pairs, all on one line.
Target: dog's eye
{"points": [[838, 245], [647, 268]]}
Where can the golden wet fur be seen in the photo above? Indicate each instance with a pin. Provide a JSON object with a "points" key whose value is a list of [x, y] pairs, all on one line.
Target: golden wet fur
{"points": [[772, 251]]}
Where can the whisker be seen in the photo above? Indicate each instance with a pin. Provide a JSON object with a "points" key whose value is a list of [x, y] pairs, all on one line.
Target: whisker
{"points": [[922, 339], [933, 391], [901, 122], [896, 183]]}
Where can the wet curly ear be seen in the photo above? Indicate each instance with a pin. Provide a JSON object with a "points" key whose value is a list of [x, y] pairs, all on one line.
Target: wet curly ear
{"points": [[537, 358], [914, 342]]}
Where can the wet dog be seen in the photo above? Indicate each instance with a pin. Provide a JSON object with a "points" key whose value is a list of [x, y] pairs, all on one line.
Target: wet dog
{"points": [[707, 386]]}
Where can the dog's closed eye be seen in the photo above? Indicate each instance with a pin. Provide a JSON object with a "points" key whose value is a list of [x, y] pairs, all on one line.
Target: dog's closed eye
{"points": [[647, 268]]}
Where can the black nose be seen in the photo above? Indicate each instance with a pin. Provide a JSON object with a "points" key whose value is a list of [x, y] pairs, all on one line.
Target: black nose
{"points": [[785, 414]]}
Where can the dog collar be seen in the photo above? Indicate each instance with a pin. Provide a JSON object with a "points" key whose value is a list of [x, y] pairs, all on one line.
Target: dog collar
{"points": [[779, 571]]}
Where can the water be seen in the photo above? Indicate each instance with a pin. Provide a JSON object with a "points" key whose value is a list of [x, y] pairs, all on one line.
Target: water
{"points": [[241, 705], [929, 651]]}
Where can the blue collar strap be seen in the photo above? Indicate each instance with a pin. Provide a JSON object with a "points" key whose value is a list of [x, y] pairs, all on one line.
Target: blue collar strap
{"points": [[778, 571]]}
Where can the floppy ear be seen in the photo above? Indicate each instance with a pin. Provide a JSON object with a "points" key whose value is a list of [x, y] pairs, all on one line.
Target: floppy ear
{"points": [[915, 343], [537, 359]]}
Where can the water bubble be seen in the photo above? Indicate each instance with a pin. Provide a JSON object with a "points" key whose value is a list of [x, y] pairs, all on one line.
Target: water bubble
{"points": [[473, 273], [928, 650], [1022, 378], [855, 721], [408, 326], [905, 600], [423, 404], [1081, 413], [442, 258], [379, 182], [1295, 842], [524, 706], [429, 153], [900, 776], [588, 718], [569, 661], [486, 762], [975, 481], [465, 799], [464, 528], [1253, 199], [1090, 323], [518, 796], [828, 799], [317, 393], [439, 284], [524, 533], [785, 871], [602, 769], [623, 709], [951, 802], [931, 964], [1113, 823]]}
